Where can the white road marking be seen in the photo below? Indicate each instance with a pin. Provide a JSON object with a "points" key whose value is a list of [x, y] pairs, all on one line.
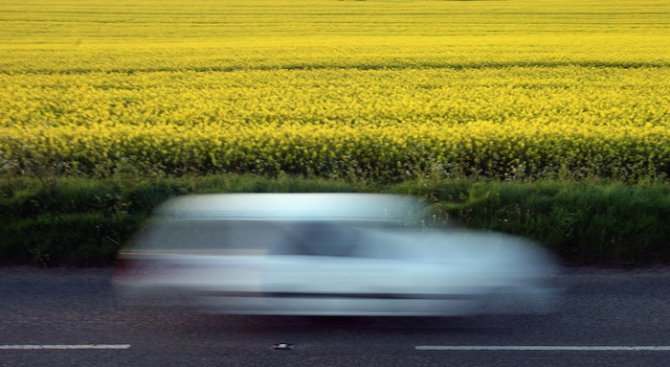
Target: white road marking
{"points": [[64, 346], [574, 348]]}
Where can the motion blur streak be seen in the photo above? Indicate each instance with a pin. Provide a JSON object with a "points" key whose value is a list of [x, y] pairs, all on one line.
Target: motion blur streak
{"points": [[329, 254]]}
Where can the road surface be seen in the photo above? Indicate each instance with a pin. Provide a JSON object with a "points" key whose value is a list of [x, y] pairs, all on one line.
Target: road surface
{"points": [[54, 317]]}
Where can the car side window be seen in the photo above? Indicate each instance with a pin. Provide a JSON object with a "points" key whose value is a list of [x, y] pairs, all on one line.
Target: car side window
{"points": [[318, 239]]}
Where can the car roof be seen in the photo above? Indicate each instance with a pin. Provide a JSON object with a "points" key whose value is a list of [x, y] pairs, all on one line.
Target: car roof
{"points": [[285, 206]]}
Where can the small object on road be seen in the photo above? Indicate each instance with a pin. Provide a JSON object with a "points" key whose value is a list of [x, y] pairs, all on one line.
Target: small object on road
{"points": [[282, 346]]}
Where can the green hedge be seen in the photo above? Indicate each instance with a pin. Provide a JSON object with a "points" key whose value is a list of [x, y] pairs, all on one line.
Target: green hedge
{"points": [[585, 224], [85, 222]]}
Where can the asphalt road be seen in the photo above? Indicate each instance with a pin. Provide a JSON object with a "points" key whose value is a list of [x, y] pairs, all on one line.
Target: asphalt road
{"points": [[77, 309]]}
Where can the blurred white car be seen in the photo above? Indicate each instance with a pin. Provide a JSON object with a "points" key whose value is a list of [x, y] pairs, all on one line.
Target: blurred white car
{"points": [[330, 254]]}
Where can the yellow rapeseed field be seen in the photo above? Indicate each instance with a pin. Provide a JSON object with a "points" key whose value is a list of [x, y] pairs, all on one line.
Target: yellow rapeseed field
{"points": [[382, 90]]}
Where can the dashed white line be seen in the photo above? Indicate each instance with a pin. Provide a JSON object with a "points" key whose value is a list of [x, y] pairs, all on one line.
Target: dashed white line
{"points": [[572, 348], [63, 346]]}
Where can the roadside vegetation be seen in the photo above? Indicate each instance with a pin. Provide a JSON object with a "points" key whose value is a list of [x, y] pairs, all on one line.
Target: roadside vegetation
{"points": [[79, 221]]}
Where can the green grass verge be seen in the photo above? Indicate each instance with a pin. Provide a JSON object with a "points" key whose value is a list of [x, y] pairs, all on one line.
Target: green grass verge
{"points": [[85, 222]]}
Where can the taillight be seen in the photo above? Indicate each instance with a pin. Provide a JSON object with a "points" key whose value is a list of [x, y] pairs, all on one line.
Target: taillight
{"points": [[127, 267]]}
